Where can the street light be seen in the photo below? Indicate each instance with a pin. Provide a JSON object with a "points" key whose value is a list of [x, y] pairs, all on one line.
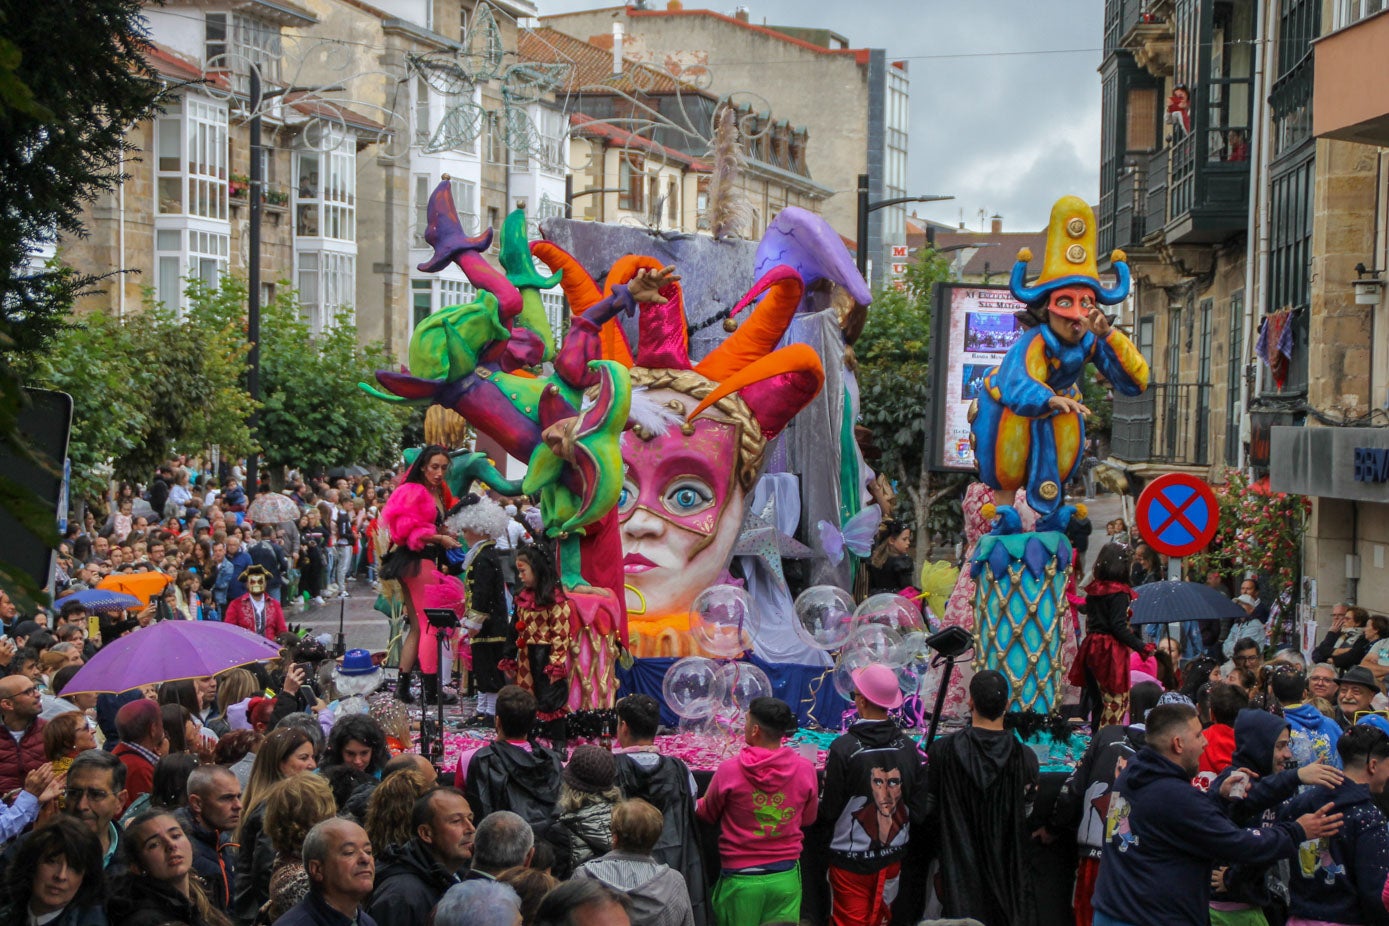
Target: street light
{"points": [[865, 207]]}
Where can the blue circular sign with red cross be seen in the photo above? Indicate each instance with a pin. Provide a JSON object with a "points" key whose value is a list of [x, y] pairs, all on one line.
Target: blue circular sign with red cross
{"points": [[1177, 514]]}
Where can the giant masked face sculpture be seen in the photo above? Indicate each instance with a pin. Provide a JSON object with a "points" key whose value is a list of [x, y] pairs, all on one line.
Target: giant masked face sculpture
{"points": [[698, 432], [683, 491]]}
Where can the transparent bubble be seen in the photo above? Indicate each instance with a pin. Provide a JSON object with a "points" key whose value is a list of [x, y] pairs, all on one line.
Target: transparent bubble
{"points": [[891, 611], [692, 687], [741, 683], [850, 660], [722, 621], [878, 643], [824, 616]]}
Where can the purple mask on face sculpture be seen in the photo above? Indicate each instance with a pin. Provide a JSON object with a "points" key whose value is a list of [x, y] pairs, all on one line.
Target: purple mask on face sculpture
{"points": [[680, 512]]}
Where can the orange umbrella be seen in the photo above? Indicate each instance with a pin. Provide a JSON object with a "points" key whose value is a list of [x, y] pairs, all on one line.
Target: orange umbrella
{"points": [[143, 585]]}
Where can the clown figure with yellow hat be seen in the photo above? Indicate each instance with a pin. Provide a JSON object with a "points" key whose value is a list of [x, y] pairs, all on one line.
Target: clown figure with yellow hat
{"points": [[1028, 422]]}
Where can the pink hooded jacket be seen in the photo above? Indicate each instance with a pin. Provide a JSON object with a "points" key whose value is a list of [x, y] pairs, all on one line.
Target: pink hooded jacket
{"points": [[761, 798]]}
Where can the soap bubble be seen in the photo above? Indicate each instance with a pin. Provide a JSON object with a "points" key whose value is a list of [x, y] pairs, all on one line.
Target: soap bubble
{"points": [[824, 616], [692, 687], [878, 643], [722, 621]]}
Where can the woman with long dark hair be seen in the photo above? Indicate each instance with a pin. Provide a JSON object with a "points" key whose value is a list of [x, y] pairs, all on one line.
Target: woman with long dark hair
{"points": [[1101, 667], [890, 565], [160, 886], [57, 879], [414, 515], [542, 639]]}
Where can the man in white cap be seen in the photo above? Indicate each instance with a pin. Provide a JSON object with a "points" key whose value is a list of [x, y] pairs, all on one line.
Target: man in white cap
{"points": [[875, 787]]}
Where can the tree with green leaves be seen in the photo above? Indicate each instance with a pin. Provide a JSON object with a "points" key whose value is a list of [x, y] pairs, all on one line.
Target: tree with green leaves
{"points": [[73, 78], [149, 385], [313, 415], [894, 399]]}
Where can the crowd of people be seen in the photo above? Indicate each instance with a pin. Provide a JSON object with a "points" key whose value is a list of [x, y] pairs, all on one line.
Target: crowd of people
{"points": [[1223, 783]]}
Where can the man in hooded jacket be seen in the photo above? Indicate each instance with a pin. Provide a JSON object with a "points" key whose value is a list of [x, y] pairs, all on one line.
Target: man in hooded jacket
{"points": [[665, 783], [982, 781], [1314, 735], [413, 876], [1340, 879], [514, 772], [1163, 835], [1241, 893]]}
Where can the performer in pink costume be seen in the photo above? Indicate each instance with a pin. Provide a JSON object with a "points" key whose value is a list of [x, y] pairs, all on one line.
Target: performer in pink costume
{"points": [[414, 516]]}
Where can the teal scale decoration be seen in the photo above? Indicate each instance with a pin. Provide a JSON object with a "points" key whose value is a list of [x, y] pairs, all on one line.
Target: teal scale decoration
{"points": [[1019, 598]]}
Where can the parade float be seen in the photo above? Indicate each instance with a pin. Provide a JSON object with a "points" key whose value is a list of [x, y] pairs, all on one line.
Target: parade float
{"points": [[690, 439]]}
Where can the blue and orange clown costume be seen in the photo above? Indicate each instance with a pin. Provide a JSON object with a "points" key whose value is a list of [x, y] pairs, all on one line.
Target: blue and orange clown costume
{"points": [[1020, 440]]}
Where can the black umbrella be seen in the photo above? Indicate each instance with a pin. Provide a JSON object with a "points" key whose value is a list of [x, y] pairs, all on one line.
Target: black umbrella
{"points": [[1167, 602], [348, 472]]}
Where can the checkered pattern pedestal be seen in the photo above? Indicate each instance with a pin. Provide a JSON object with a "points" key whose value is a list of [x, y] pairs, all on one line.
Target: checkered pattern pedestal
{"points": [[1019, 598]]}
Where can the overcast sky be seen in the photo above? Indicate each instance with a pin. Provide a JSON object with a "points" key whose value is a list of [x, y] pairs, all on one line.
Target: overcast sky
{"points": [[1005, 94]]}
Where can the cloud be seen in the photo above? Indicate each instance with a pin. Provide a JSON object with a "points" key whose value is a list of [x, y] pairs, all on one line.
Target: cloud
{"points": [[1000, 131]]}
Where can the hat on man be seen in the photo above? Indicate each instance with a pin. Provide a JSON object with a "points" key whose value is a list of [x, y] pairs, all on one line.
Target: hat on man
{"points": [[879, 685], [1359, 675]]}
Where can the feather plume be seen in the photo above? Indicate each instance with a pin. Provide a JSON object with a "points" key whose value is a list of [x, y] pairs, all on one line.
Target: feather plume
{"points": [[650, 416], [729, 214]]}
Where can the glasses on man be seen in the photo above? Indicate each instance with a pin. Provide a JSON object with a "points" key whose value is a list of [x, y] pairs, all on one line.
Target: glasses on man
{"points": [[1247, 659], [92, 794]]}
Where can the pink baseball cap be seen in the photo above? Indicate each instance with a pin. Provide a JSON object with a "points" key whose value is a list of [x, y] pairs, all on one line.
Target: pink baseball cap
{"points": [[878, 685]]}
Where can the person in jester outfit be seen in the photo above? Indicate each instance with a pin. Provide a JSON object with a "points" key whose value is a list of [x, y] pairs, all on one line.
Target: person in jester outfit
{"points": [[1028, 428]]}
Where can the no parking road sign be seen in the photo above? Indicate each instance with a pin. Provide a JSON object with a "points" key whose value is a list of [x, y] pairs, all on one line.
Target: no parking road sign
{"points": [[1177, 514]]}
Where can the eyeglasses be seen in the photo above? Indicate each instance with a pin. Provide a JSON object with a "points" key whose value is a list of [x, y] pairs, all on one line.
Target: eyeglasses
{"points": [[32, 689], [93, 794]]}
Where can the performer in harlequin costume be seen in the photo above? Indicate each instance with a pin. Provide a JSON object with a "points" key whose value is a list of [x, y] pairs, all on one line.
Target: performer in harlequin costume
{"points": [[1027, 424], [543, 619], [491, 637]]}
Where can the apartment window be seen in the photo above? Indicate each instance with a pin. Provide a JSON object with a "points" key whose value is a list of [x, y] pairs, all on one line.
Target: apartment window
{"points": [[183, 254], [1146, 324], [465, 201], [1352, 11], [630, 182], [555, 312], [327, 285], [234, 42], [191, 161], [463, 24], [459, 125], [1141, 133], [422, 121], [496, 139], [215, 41], [702, 203], [653, 196], [673, 201], [421, 209], [494, 218], [456, 292], [1174, 346], [1299, 23], [1234, 367], [1291, 245], [421, 302], [326, 192]]}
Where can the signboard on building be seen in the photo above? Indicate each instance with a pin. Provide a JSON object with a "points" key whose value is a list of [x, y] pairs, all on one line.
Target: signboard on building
{"points": [[1348, 463], [899, 252], [972, 327], [899, 269]]}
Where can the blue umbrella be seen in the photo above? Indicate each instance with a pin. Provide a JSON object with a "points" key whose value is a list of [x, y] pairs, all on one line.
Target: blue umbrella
{"points": [[1168, 602], [101, 599]]}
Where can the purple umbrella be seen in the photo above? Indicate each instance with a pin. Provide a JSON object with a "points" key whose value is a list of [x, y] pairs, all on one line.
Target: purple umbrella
{"points": [[169, 651]]}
